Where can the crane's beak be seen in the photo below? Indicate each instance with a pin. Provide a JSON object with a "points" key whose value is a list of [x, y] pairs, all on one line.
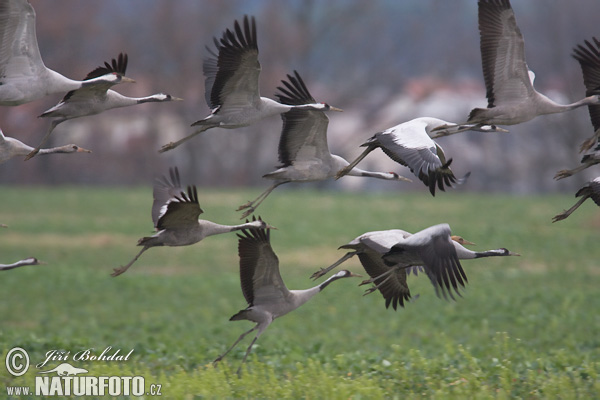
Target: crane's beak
{"points": [[173, 98], [82, 150], [331, 108], [352, 274], [401, 178], [125, 79], [510, 253]]}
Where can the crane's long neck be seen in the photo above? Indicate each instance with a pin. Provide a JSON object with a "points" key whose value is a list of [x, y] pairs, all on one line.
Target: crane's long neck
{"points": [[302, 296], [58, 83], [350, 169], [117, 100], [210, 228], [466, 254], [551, 107], [22, 263], [61, 149]]}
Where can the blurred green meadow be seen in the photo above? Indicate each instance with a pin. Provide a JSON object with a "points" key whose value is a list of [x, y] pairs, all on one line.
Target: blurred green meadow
{"points": [[526, 327]]}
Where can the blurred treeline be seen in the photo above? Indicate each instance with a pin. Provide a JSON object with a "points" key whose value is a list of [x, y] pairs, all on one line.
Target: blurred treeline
{"points": [[383, 62]]}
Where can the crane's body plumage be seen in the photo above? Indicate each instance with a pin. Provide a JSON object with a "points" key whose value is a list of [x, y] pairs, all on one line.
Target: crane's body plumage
{"points": [[175, 213], [11, 147], [511, 96], [303, 149], [409, 144], [231, 86], [263, 288], [23, 75]]}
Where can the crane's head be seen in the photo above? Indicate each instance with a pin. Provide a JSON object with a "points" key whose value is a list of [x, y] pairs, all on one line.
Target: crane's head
{"points": [[319, 107], [461, 240], [346, 274], [159, 97]]}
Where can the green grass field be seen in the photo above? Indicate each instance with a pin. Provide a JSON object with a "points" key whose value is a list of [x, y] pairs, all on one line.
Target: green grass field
{"points": [[526, 327]]}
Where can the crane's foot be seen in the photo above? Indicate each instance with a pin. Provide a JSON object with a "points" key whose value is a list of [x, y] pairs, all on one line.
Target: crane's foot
{"points": [[119, 271], [247, 213], [32, 154], [342, 172], [560, 217], [244, 206], [370, 290], [318, 274], [167, 147], [564, 173]]}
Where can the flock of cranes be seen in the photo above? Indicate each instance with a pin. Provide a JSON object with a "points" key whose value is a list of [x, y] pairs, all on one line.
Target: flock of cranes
{"points": [[232, 74]]}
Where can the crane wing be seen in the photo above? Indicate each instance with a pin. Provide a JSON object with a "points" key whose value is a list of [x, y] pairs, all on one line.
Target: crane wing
{"points": [[502, 47], [259, 268], [233, 69], [98, 90], [408, 144], [393, 287], [19, 53], [165, 189], [304, 133], [181, 211], [433, 249], [589, 59]]}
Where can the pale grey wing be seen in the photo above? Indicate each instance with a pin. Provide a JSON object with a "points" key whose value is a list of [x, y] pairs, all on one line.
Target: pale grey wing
{"points": [[382, 241], [181, 212], [165, 189], [304, 133], [414, 149], [440, 260], [392, 287], [502, 47], [96, 91], [259, 269], [19, 52], [232, 71], [588, 57]]}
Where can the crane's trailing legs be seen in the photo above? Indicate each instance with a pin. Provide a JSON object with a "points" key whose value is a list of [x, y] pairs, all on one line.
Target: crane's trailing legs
{"points": [[566, 213], [172, 145], [53, 125], [323, 271], [347, 169], [120, 270], [251, 206]]}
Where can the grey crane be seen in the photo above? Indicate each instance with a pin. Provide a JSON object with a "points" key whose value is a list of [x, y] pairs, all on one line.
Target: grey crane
{"points": [[91, 100], [21, 263], [589, 60], [11, 147], [410, 145], [175, 214], [511, 96], [263, 288], [389, 255], [303, 150], [231, 85], [590, 190], [23, 75]]}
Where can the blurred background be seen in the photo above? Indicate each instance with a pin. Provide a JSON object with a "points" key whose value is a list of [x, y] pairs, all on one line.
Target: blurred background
{"points": [[383, 62]]}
